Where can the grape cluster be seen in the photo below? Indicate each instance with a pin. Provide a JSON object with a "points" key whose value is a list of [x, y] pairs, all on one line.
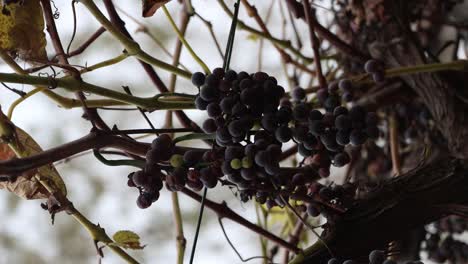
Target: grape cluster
{"points": [[149, 180], [375, 257], [251, 117], [375, 69], [447, 249], [442, 246]]}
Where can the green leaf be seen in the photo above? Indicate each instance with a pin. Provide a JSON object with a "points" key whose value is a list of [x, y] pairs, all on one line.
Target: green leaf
{"points": [[22, 30], [252, 37], [127, 239]]}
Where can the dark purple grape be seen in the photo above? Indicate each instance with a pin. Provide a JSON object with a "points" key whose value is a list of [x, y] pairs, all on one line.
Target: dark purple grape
{"points": [[212, 80], [200, 104], [208, 178], [144, 200], [192, 157], [274, 151], [230, 75], [326, 193], [345, 85], [300, 133], [272, 79], [317, 127], [303, 151], [310, 142], [246, 83], [198, 79], [260, 76], [357, 113], [248, 96], [341, 159], [262, 143], [139, 178], [261, 158], [343, 122], [376, 257], [242, 75], [357, 137], [379, 76], [372, 66], [213, 110], [349, 261], [342, 137], [224, 86], [226, 168], [285, 102], [239, 109], [130, 182], [219, 73], [315, 115], [236, 128], [324, 172], [209, 125], [390, 261], [250, 150], [284, 115], [283, 134], [333, 261], [233, 152], [347, 96], [272, 168], [222, 133], [322, 95], [269, 122], [154, 196], [301, 112], [313, 210], [331, 103], [298, 179], [340, 110], [333, 87], [226, 104], [298, 94], [209, 93], [328, 138], [248, 174]]}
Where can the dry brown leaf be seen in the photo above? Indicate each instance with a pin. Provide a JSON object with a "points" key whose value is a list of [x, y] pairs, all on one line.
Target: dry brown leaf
{"points": [[150, 6], [27, 185]]}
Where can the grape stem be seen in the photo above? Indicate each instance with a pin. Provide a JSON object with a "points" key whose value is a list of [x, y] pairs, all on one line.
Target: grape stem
{"points": [[73, 85], [184, 41]]}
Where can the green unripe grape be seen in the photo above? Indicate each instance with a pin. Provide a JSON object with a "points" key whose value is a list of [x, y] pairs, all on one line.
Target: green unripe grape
{"points": [[236, 164], [246, 163], [176, 160]]}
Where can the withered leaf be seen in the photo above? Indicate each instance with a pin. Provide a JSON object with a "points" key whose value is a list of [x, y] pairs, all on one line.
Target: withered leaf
{"points": [[22, 30], [150, 6], [27, 185]]}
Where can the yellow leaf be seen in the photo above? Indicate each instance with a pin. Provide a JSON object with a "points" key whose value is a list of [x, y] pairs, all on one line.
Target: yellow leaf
{"points": [[27, 185], [252, 37], [127, 239], [22, 30], [150, 6]]}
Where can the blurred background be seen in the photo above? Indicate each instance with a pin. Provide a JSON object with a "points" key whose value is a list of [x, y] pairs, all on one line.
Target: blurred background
{"points": [[101, 192]]}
